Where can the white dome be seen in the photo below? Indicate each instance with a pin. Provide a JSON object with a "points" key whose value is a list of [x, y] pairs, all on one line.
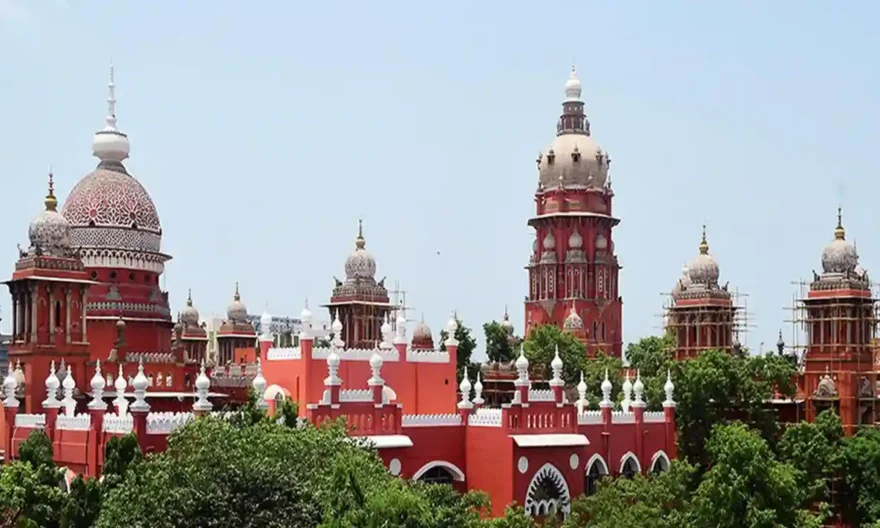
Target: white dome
{"points": [[549, 242], [189, 316], [683, 281], [265, 321], [573, 86], [703, 269], [236, 311], [840, 255], [575, 157], [575, 241], [506, 324], [601, 242], [360, 264], [50, 233]]}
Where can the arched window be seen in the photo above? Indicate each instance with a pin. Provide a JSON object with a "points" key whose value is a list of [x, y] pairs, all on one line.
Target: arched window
{"points": [[437, 475], [630, 466], [660, 463], [596, 471]]}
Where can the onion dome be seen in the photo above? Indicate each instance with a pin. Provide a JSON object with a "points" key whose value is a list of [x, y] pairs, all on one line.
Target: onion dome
{"points": [[236, 312], [627, 386], [465, 388], [386, 326], [606, 385], [683, 282], [601, 242], [139, 383], [360, 264], [573, 321], [556, 363], [265, 321], [522, 363], [422, 331], [839, 256], [376, 360], [549, 242], [575, 241], [451, 325], [703, 269], [506, 324], [49, 232], [120, 384], [259, 382], [202, 381], [189, 316], [19, 375], [337, 325], [638, 386], [573, 159], [582, 385], [68, 383], [306, 314], [52, 381]]}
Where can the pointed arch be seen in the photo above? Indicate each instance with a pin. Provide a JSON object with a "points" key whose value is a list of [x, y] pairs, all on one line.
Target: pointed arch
{"points": [[659, 462], [597, 459], [457, 474], [630, 457], [273, 391], [548, 491]]}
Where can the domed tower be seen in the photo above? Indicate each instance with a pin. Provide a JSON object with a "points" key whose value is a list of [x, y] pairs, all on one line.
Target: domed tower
{"points": [[422, 337], [114, 224], [360, 302], [839, 322], [48, 289], [193, 334], [573, 266], [236, 331], [702, 315]]}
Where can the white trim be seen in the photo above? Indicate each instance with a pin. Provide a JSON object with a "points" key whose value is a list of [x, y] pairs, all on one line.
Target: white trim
{"points": [[550, 440], [538, 508], [657, 456], [272, 392], [457, 474], [597, 458], [627, 455], [384, 441]]}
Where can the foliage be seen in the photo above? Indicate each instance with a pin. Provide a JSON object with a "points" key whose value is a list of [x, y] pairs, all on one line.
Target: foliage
{"points": [[514, 517], [860, 470], [540, 348], [466, 344], [31, 493], [814, 450], [253, 413], [120, 454], [655, 501], [717, 387], [747, 486], [83, 503], [499, 345]]}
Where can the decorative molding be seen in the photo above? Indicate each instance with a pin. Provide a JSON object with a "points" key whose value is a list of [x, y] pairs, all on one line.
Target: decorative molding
{"points": [[356, 395], [455, 471], [538, 395], [80, 422], [485, 418], [590, 418], [284, 354], [620, 417], [654, 417], [357, 354], [167, 422], [118, 425], [427, 356], [30, 420], [431, 420]]}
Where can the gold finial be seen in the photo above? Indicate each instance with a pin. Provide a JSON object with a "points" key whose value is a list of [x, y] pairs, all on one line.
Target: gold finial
{"points": [[237, 297], [51, 202], [839, 232], [704, 244], [189, 297], [359, 242]]}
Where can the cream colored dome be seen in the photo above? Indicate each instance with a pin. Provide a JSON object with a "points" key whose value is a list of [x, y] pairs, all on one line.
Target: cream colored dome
{"points": [[422, 331], [189, 316], [49, 232], [360, 264], [236, 311], [840, 255], [577, 159], [703, 269]]}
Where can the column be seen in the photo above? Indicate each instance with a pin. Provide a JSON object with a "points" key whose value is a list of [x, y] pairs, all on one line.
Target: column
{"points": [[33, 291], [67, 314], [84, 292], [15, 316], [50, 290]]}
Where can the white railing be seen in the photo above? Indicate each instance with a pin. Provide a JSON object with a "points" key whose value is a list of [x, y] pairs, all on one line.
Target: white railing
{"points": [[283, 354], [654, 417], [485, 418], [118, 425], [537, 395], [427, 356], [620, 417], [167, 422], [431, 420], [30, 420], [590, 417], [357, 354], [150, 357], [356, 395], [80, 422]]}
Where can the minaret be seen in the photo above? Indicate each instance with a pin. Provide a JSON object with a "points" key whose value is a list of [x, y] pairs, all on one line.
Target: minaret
{"points": [[573, 267], [109, 144], [840, 325]]}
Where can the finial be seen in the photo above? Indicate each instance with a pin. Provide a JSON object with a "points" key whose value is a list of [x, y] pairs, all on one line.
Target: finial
{"points": [[839, 232], [189, 297], [704, 244], [51, 202], [237, 297], [359, 242]]}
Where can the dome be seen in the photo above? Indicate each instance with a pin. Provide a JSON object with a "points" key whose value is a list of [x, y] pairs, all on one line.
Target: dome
{"points": [[839, 256], [573, 86], [422, 331], [549, 242], [577, 159], [575, 241], [683, 282], [573, 321], [189, 316], [109, 208], [601, 242], [237, 311], [49, 232], [506, 324], [360, 264], [703, 269]]}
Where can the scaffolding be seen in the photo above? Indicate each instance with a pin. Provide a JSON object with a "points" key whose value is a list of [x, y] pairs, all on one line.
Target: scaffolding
{"points": [[736, 325]]}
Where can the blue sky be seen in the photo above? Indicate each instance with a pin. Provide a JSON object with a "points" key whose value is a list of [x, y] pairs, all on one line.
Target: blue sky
{"points": [[264, 130]]}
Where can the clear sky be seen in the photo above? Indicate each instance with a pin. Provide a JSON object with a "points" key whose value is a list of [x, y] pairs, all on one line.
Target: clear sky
{"points": [[264, 130]]}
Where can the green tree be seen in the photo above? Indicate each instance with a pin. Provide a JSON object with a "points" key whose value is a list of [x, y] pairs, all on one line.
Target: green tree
{"points": [[31, 488], [860, 471], [466, 345], [540, 349], [499, 344], [747, 487], [814, 450], [717, 387], [655, 501]]}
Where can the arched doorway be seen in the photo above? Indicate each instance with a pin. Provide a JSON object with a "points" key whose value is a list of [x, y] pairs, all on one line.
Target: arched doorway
{"points": [[596, 471], [547, 493], [629, 466], [660, 462]]}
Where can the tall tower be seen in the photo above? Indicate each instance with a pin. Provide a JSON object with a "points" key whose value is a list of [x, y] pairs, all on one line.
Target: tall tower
{"points": [[360, 303], [48, 287], [840, 323], [114, 223], [573, 267], [702, 312]]}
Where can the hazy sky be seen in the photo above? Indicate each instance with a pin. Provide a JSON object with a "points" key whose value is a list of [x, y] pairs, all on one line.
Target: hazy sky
{"points": [[264, 130]]}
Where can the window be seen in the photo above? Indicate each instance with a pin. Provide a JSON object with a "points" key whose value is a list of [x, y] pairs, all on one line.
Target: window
{"points": [[57, 313], [630, 468], [596, 473], [437, 475], [661, 463]]}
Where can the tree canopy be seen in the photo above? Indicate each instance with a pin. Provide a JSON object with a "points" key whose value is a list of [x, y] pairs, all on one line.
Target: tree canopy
{"points": [[499, 346], [466, 344]]}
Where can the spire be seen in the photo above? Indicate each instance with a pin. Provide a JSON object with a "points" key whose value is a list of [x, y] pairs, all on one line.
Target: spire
{"points": [[51, 202], [839, 232], [704, 244], [237, 296], [359, 242], [109, 144], [189, 297]]}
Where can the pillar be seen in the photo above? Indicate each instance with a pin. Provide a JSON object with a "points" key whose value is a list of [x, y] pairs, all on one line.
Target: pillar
{"points": [[95, 442]]}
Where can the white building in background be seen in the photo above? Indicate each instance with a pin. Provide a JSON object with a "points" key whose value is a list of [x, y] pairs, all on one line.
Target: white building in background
{"points": [[286, 330]]}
